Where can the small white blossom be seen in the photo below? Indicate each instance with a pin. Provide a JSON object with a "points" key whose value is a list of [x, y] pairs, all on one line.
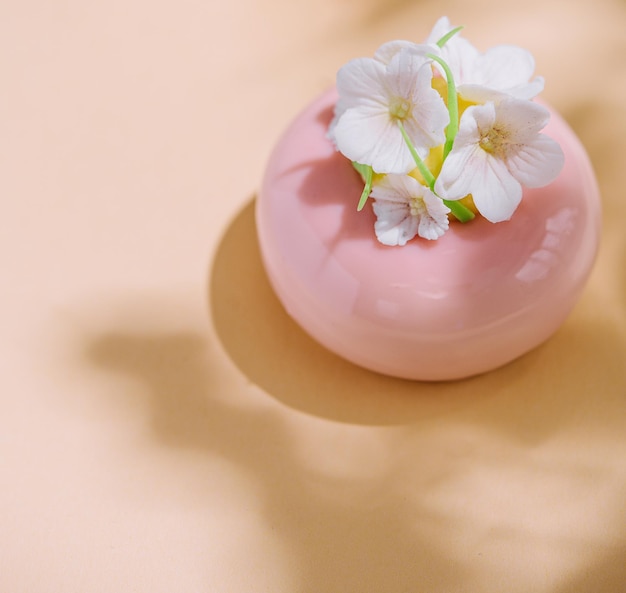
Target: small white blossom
{"points": [[498, 148], [504, 70], [405, 208], [384, 55], [374, 96]]}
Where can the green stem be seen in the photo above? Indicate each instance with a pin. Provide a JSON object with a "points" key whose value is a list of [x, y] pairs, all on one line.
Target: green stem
{"points": [[448, 36], [460, 211], [429, 178], [453, 106], [367, 174]]}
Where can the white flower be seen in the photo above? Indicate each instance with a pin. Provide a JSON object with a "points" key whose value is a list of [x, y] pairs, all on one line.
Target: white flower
{"points": [[405, 208], [374, 97], [498, 148], [504, 70], [384, 55]]}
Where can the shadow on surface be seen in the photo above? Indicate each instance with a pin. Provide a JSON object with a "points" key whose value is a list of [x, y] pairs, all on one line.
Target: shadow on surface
{"points": [[453, 494], [346, 532], [459, 473], [274, 353]]}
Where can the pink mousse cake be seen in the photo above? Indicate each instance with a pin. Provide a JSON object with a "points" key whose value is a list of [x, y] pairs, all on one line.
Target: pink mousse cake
{"points": [[475, 299]]}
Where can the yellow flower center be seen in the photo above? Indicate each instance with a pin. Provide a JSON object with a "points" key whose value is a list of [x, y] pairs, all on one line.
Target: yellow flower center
{"points": [[494, 140], [417, 206], [400, 108]]}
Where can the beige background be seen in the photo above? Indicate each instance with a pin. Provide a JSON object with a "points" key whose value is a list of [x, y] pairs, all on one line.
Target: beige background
{"points": [[165, 427]]}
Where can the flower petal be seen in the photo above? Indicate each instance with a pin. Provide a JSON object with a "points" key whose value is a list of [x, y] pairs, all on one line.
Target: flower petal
{"points": [[400, 197], [528, 90], [386, 52], [476, 93], [504, 66], [526, 117], [538, 163], [458, 52], [369, 136], [495, 191], [454, 180], [434, 223], [397, 188], [359, 81], [410, 76], [394, 224], [523, 119]]}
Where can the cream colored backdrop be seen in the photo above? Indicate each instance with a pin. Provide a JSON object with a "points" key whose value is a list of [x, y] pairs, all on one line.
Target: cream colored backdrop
{"points": [[165, 427]]}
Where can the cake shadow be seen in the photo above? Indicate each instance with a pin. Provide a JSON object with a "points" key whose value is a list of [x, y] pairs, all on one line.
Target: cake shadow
{"points": [[277, 355]]}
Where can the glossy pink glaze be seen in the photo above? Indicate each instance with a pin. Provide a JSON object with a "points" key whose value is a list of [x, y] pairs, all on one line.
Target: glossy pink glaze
{"points": [[475, 299]]}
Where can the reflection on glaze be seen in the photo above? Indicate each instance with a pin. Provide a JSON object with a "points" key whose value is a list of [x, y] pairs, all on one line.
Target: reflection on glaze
{"points": [[549, 255]]}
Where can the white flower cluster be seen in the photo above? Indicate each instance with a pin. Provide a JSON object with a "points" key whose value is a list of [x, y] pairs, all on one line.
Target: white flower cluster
{"points": [[430, 124]]}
